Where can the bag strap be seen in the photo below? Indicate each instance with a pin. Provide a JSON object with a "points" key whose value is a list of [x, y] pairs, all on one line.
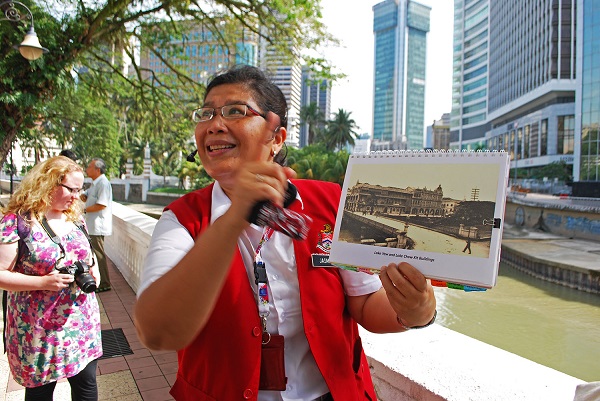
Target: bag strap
{"points": [[4, 304], [25, 243], [25, 247]]}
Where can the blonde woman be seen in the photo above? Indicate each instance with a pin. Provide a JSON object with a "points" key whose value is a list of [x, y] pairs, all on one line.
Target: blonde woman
{"points": [[52, 327]]}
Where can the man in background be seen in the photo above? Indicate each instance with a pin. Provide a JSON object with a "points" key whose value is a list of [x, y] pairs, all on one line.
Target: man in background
{"points": [[98, 215]]}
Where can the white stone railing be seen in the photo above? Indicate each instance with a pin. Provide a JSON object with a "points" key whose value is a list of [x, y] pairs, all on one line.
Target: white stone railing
{"points": [[128, 245], [433, 364]]}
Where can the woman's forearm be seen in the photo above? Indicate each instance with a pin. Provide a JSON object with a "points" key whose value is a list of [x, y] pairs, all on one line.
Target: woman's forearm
{"points": [[173, 309]]}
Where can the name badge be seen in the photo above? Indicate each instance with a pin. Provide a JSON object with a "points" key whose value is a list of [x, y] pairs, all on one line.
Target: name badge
{"points": [[321, 260]]}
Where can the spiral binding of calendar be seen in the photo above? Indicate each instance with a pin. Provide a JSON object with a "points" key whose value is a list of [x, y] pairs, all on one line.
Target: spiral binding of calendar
{"points": [[427, 153]]}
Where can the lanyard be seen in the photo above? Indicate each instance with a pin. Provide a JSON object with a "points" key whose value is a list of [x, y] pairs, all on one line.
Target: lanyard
{"points": [[260, 274]]}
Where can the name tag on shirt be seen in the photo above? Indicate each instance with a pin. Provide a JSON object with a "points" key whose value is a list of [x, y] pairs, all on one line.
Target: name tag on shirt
{"points": [[321, 260]]}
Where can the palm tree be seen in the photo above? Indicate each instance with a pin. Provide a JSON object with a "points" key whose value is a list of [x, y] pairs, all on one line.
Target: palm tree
{"points": [[312, 116], [340, 131]]}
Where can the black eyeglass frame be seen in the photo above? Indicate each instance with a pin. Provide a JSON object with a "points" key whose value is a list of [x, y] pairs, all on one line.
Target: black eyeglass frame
{"points": [[72, 190]]}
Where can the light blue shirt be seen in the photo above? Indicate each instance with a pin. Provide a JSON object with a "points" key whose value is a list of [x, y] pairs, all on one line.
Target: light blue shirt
{"points": [[100, 192]]}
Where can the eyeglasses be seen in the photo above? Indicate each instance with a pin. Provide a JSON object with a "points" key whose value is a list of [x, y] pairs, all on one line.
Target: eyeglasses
{"points": [[73, 191], [230, 112]]}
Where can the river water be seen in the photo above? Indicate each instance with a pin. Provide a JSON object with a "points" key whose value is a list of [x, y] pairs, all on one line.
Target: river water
{"points": [[555, 326]]}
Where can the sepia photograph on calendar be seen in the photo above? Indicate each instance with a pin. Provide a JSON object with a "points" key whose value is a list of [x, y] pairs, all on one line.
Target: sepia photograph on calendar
{"points": [[442, 212]]}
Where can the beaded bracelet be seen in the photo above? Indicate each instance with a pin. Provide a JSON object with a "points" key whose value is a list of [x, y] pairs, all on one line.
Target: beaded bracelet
{"points": [[405, 327]]}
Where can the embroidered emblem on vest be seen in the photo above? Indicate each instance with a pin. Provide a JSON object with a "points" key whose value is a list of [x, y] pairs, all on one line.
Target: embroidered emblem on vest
{"points": [[325, 238]]}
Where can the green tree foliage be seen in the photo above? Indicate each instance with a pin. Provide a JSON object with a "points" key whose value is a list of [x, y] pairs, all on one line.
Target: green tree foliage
{"points": [[195, 173], [559, 169], [314, 118], [317, 163], [97, 136], [339, 132], [86, 41]]}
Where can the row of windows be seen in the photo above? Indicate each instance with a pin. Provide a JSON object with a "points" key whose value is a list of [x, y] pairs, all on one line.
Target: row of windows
{"points": [[530, 141], [589, 169], [474, 96], [476, 84], [476, 73], [471, 19], [478, 38], [191, 51], [476, 61], [474, 107], [474, 119], [203, 62]]}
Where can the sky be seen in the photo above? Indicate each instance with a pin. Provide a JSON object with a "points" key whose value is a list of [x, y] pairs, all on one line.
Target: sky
{"points": [[351, 21]]}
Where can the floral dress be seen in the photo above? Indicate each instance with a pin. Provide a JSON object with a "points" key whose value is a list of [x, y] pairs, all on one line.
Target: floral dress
{"points": [[50, 335]]}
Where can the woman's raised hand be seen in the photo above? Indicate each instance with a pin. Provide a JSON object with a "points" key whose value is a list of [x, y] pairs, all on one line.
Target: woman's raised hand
{"points": [[257, 182]]}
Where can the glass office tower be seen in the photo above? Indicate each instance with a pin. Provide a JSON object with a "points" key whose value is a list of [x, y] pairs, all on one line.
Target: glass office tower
{"points": [[400, 28], [587, 166], [470, 73]]}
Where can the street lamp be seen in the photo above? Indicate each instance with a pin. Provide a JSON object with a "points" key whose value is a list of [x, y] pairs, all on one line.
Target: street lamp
{"points": [[30, 48]]}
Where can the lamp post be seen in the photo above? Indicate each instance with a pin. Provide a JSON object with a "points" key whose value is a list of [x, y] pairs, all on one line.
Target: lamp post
{"points": [[30, 48]]}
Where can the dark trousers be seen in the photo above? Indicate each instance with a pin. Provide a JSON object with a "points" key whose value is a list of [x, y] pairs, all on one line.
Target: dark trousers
{"points": [[98, 244], [83, 387]]}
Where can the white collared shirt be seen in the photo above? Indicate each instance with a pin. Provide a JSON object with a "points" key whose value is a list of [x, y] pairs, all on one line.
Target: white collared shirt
{"points": [[171, 241], [100, 192]]}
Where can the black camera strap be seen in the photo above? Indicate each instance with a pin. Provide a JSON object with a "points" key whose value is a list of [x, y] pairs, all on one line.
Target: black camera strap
{"points": [[56, 239]]}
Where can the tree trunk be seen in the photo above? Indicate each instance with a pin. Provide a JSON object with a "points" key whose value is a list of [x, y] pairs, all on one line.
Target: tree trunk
{"points": [[11, 113]]}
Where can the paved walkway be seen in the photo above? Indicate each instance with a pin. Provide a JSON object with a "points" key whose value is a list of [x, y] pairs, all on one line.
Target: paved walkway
{"points": [[145, 375]]}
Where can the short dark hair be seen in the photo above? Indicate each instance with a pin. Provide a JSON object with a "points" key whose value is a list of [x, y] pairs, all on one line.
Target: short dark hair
{"points": [[267, 95], [68, 153]]}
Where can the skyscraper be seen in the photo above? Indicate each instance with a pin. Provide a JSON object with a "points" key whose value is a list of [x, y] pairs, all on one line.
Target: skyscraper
{"points": [[400, 28], [286, 73], [314, 91], [587, 128], [468, 120], [515, 78]]}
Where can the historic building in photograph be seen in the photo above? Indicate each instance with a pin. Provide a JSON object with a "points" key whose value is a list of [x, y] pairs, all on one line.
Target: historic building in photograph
{"points": [[390, 201]]}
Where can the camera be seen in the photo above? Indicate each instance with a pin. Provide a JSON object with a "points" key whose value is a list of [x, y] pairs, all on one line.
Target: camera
{"points": [[292, 224], [83, 278]]}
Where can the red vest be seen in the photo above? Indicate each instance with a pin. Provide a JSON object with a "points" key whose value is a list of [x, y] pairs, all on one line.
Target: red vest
{"points": [[223, 361]]}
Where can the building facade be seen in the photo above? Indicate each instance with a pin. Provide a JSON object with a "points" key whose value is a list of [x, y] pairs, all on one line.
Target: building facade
{"points": [[200, 53], [587, 98], [440, 133], [524, 79], [400, 28], [390, 201], [286, 73], [470, 73], [314, 91]]}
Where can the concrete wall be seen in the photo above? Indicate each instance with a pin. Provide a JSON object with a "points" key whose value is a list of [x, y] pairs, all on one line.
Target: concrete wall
{"points": [[433, 364], [565, 221]]}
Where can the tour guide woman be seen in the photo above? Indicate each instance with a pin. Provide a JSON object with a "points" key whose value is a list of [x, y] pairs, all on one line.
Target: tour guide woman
{"points": [[292, 336]]}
